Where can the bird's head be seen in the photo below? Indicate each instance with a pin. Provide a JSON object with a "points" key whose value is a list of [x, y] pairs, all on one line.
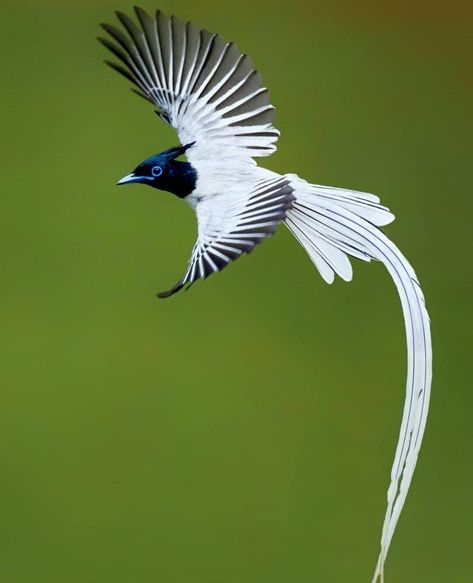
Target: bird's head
{"points": [[164, 172]]}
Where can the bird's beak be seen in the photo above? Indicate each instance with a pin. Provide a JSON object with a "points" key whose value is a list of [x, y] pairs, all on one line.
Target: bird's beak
{"points": [[129, 178]]}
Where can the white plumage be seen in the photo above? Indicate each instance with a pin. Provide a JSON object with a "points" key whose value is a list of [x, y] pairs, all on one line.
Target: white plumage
{"points": [[211, 93]]}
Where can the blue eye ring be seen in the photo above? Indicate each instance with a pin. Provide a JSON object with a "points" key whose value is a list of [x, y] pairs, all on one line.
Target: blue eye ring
{"points": [[156, 171]]}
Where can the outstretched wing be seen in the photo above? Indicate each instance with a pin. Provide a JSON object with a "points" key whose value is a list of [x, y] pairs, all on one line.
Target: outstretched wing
{"points": [[205, 88], [232, 224]]}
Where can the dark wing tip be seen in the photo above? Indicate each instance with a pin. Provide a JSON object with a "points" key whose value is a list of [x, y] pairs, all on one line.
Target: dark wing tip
{"points": [[141, 94], [139, 10], [115, 33], [164, 295], [160, 17], [123, 72], [144, 18], [124, 19], [108, 27], [167, 294]]}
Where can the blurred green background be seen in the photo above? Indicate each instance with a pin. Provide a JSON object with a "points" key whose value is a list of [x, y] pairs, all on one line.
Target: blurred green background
{"points": [[242, 432]]}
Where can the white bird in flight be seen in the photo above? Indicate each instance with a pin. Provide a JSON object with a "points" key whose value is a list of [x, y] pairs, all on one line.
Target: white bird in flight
{"points": [[212, 95]]}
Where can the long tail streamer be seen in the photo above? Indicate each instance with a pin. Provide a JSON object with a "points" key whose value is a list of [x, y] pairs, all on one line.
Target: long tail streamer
{"points": [[330, 224]]}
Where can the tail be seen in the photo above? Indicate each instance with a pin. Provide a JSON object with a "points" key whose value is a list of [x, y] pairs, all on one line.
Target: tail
{"points": [[330, 224]]}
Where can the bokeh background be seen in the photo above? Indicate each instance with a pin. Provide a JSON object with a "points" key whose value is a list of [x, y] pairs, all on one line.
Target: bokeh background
{"points": [[242, 432]]}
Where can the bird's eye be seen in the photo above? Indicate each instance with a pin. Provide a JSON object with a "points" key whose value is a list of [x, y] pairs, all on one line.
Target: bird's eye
{"points": [[156, 171]]}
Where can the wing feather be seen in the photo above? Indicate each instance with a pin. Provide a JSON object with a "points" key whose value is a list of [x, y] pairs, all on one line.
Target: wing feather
{"points": [[233, 224], [204, 87]]}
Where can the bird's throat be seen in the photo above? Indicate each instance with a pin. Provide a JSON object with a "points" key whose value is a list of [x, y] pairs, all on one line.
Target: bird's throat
{"points": [[182, 180]]}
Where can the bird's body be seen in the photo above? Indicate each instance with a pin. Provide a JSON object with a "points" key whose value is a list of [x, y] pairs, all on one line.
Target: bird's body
{"points": [[211, 94]]}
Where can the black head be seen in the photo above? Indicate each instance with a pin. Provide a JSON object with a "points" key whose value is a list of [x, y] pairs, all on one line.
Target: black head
{"points": [[164, 172]]}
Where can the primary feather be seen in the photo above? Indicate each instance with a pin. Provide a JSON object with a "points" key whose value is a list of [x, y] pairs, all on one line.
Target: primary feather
{"points": [[203, 87], [212, 95], [232, 224]]}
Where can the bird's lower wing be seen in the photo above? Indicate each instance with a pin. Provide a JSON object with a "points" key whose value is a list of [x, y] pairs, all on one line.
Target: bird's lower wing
{"points": [[232, 224], [332, 224]]}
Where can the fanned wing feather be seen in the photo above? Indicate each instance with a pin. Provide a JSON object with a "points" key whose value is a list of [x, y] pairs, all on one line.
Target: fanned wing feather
{"points": [[202, 86], [232, 224], [342, 217]]}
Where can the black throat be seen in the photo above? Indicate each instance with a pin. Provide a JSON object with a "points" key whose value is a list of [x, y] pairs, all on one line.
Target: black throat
{"points": [[181, 178]]}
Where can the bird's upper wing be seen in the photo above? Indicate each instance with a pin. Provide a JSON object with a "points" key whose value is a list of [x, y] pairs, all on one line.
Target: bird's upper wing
{"points": [[231, 224], [204, 87]]}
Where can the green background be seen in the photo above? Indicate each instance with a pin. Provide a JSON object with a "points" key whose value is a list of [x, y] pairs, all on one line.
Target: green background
{"points": [[242, 432]]}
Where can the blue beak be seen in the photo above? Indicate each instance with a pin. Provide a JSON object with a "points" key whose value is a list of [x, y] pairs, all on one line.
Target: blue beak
{"points": [[129, 178]]}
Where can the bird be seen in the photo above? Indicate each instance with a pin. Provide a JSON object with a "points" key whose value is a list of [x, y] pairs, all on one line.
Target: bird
{"points": [[212, 95]]}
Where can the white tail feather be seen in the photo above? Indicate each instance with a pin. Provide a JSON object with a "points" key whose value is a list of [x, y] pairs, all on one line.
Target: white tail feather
{"points": [[331, 223]]}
